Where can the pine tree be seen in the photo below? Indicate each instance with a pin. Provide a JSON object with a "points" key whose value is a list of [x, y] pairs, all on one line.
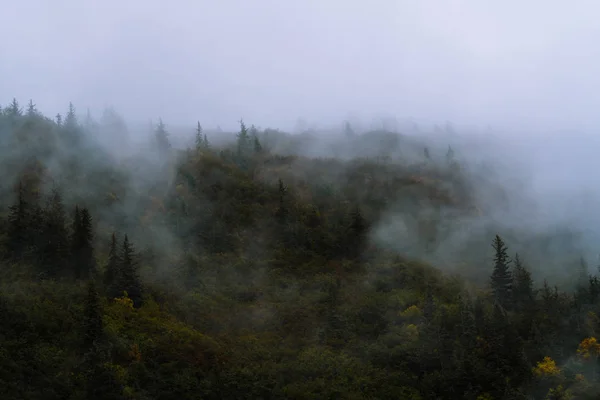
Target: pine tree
{"points": [[31, 110], [59, 120], [501, 280], [14, 109], [93, 328], [129, 278], [243, 139], [18, 226], [584, 274], [54, 246], [82, 248], [71, 119], [111, 273], [200, 144], [522, 284], [426, 153], [161, 136]]}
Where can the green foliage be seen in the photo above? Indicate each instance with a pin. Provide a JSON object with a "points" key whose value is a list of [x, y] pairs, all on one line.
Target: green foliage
{"points": [[243, 286]]}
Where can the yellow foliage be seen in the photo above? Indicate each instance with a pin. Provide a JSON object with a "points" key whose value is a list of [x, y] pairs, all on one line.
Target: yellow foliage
{"points": [[559, 393], [546, 367], [134, 353], [588, 348], [124, 301], [579, 378], [412, 312], [485, 396]]}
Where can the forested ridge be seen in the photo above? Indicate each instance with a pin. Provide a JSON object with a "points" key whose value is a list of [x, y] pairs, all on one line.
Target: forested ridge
{"points": [[244, 270]]}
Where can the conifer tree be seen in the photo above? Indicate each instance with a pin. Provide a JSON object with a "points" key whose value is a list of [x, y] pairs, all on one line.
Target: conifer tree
{"points": [[82, 248], [501, 280], [584, 274], [93, 328], [18, 226], [200, 144], [426, 153], [111, 272], [54, 246], [71, 118], [59, 120], [522, 284], [31, 110], [243, 139], [129, 280], [14, 109], [161, 136]]}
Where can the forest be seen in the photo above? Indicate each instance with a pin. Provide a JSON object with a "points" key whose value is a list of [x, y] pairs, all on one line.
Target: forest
{"points": [[242, 267]]}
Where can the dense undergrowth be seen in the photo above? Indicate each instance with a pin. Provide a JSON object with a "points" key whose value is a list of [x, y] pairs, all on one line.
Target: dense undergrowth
{"points": [[239, 272]]}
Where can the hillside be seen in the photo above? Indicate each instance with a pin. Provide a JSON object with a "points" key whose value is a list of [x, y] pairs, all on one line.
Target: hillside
{"points": [[269, 268]]}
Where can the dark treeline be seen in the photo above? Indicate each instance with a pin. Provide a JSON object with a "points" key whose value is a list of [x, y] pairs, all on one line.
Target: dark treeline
{"points": [[234, 272]]}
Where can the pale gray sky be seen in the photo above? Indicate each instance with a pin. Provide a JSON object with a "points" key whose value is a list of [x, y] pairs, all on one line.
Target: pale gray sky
{"points": [[529, 64]]}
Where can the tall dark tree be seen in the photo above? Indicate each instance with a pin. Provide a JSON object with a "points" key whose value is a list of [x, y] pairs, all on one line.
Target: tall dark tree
{"points": [[93, 328], [112, 270], [18, 226], [82, 247], [501, 280], [59, 120], [243, 139], [129, 280], [54, 246], [522, 284]]}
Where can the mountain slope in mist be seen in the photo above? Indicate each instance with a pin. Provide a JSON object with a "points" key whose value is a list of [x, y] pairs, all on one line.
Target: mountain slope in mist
{"points": [[271, 265]]}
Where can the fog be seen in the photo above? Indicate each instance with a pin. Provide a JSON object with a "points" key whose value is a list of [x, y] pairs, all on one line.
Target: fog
{"points": [[519, 82], [508, 64]]}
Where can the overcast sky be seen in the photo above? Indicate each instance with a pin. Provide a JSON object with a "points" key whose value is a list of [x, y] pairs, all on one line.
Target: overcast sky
{"points": [[527, 64]]}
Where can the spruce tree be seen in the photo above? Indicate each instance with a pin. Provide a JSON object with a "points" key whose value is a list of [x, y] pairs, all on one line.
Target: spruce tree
{"points": [[71, 118], [522, 284], [14, 109], [243, 139], [199, 138], [129, 280], [501, 279], [161, 136], [54, 246], [92, 319], [31, 110], [111, 272], [59, 120], [18, 226], [82, 247]]}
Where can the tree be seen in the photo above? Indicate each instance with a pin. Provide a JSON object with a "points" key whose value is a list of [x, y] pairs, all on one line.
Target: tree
{"points": [[501, 280], [71, 119], [129, 280], [93, 328], [282, 210], [161, 136], [200, 144], [522, 284], [54, 246], [243, 139], [111, 272], [426, 153], [58, 119], [82, 248], [14, 109], [18, 226], [31, 110]]}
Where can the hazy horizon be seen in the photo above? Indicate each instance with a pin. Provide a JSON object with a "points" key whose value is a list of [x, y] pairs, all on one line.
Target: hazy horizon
{"points": [[509, 65]]}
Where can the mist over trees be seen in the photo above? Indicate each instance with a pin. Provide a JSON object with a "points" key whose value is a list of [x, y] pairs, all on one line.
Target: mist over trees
{"points": [[260, 265]]}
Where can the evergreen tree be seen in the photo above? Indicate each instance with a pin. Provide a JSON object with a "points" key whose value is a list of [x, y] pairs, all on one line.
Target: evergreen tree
{"points": [[243, 139], [54, 246], [348, 131], [14, 109], [501, 280], [71, 119], [93, 328], [111, 273], [450, 155], [161, 136], [59, 120], [584, 274], [522, 284], [129, 280], [200, 144], [82, 248], [31, 110], [18, 226], [426, 153]]}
